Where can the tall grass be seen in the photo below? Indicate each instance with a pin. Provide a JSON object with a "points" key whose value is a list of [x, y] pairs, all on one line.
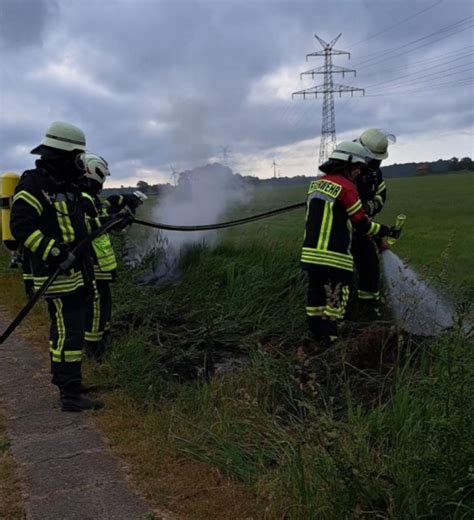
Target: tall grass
{"points": [[380, 426], [383, 428]]}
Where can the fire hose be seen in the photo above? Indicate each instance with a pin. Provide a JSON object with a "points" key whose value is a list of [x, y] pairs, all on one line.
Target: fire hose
{"points": [[221, 225], [111, 224], [156, 225]]}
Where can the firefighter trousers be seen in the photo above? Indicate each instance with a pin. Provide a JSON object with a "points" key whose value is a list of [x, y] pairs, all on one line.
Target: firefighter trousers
{"points": [[98, 317], [366, 260], [66, 338], [328, 294]]}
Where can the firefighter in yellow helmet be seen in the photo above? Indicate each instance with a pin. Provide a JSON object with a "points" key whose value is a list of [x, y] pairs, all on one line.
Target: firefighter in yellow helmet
{"points": [[373, 194], [99, 312], [48, 220]]}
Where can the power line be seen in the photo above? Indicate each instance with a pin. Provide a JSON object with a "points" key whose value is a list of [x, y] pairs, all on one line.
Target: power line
{"points": [[396, 25], [446, 28], [437, 60], [382, 60], [461, 82], [417, 79], [297, 118], [376, 57]]}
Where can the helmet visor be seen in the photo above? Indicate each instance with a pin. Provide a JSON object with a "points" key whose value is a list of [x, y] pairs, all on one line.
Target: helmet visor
{"points": [[80, 162], [391, 138]]}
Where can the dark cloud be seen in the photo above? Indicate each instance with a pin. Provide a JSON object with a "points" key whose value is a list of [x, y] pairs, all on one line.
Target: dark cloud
{"points": [[153, 82], [24, 22]]}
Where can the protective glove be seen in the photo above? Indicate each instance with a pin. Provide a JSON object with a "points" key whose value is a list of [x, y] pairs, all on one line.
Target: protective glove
{"points": [[132, 201], [61, 257], [394, 232], [127, 219], [383, 231]]}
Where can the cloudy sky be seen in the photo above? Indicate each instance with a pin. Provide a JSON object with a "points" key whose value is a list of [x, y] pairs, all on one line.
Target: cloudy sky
{"points": [[157, 84]]}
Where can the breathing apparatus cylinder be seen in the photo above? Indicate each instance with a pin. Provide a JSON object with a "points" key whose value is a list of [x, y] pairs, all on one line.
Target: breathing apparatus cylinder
{"points": [[400, 220], [9, 183]]}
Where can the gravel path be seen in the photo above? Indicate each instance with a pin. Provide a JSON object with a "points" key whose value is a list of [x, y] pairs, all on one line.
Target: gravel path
{"points": [[66, 469]]}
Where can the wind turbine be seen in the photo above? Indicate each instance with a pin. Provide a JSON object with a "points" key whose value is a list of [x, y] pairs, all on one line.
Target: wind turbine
{"points": [[274, 166], [174, 176]]}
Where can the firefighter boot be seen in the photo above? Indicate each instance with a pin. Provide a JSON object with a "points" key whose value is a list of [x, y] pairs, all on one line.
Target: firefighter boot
{"points": [[369, 310], [73, 401], [88, 389]]}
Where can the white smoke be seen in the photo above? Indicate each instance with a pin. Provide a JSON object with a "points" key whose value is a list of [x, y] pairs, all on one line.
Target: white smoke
{"points": [[203, 196]]}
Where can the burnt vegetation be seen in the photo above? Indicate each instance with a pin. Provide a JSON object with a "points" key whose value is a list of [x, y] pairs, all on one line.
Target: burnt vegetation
{"points": [[380, 424]]}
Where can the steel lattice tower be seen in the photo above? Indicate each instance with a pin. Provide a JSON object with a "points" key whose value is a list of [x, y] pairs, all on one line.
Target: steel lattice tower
{"points": [[327, 89]]}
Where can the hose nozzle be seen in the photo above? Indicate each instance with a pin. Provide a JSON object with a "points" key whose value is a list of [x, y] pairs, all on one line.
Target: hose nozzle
{"points": [[400, 220]]}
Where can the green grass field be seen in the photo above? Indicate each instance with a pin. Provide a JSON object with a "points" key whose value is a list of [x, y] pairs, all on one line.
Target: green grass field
{"points": [[381, 426], [357, 438], [437, 240]]}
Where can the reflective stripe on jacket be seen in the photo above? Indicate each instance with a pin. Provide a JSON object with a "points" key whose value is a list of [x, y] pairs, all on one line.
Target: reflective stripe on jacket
{"points": [[46, 214], [105, 261], [333, 208]]}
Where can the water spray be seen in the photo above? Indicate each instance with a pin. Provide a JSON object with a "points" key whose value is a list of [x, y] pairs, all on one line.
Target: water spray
{"points": [[417, 308]]}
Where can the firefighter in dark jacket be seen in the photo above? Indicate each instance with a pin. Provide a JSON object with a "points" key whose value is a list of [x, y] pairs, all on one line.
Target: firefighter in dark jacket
{"points": [[48, 220], [373, 193], [333, 210], [99, 311]]}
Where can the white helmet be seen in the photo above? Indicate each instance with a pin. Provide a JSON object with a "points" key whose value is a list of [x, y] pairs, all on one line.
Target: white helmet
{"points": [[351, 152], [61, 136], [377, 141], [95, 166]]}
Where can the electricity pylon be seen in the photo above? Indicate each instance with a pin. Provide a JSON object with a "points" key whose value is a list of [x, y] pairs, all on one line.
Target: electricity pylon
{"points": [[225, 152], [327, 89]]}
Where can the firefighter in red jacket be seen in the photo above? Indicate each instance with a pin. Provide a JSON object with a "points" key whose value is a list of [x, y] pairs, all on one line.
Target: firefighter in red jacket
{"points": [[334, 209], [373, 194]]}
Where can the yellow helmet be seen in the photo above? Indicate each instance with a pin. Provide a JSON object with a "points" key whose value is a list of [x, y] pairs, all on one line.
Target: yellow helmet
{"points": [[377, 142], [95, 166], [351, 152], [63, 137]]}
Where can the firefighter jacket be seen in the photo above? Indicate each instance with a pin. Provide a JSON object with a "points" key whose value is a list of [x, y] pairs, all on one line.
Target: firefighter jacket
{"points": [[372, 191], [46, 214], [333, 209], [105, 262]]}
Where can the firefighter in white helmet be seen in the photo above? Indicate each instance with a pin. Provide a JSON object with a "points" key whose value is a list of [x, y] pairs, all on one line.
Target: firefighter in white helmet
{"points": [[373, 193], [99, 312], [334, 208], [47, 219]]}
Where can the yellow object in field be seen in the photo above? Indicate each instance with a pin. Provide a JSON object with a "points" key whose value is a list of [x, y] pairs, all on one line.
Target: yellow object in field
{"points": [[398, 225], [9, 183]]}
